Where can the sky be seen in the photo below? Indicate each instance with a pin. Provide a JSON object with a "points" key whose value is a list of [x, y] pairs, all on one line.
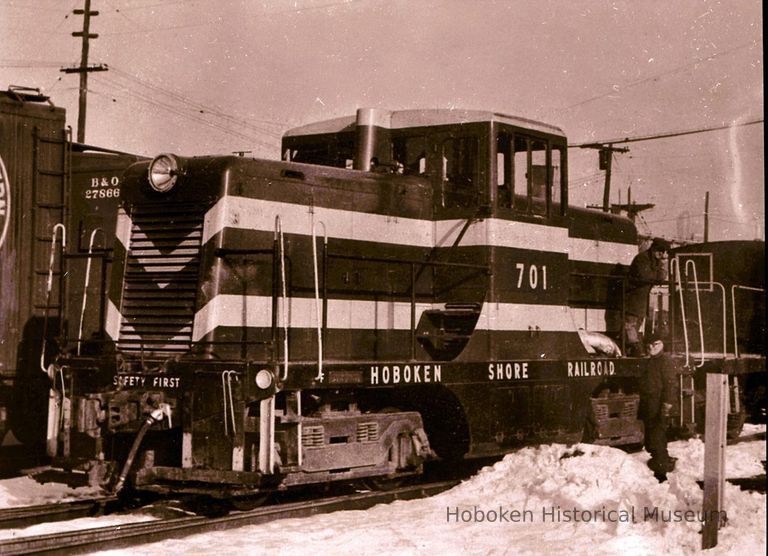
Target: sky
{"points": [[545, 481], [218, 76]]}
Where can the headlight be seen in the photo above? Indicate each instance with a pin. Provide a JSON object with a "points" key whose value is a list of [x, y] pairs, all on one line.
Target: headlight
{"points": [[164, 171], [264, 379]]}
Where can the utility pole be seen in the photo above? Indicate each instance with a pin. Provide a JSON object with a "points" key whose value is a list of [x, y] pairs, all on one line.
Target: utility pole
{"points": [[706, 217], [83, 69], [605, 152]]}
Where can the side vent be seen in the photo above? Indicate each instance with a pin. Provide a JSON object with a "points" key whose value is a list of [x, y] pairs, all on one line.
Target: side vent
{"points": [[161, 279], [367, 432], [312, 437]]}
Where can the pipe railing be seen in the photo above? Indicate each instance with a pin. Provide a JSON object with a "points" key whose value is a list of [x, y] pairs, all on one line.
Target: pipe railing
{"points": [[49, 286], [733, 311], [86, 284]]}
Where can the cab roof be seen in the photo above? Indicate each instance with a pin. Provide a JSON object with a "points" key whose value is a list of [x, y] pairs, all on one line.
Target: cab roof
{"points": [[403, 119]]}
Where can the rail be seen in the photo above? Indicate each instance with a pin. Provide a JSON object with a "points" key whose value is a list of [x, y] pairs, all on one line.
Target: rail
{"points": [[125, 535], [14, 518]]}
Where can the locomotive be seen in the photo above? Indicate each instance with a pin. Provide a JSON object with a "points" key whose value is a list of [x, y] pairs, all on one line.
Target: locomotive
{"points": [[401, 286], [53, 193]]}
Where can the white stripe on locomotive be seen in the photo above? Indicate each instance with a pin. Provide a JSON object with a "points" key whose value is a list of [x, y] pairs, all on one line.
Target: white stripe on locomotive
{"points": [[255, 311], [259, 215]]}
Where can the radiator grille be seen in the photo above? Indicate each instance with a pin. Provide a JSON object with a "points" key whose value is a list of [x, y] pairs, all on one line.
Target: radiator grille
{"points": [[161, 279]]}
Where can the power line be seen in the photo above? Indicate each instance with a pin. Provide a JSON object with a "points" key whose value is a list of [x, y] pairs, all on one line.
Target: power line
{"points": [[314, 8], [184, 114], [661, 74], [156, 5], [200, 108], [664, 135], [30, 64]]}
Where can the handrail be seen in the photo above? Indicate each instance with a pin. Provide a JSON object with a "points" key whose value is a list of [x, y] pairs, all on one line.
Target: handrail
{"points": [[300, 454], [349, 256], [85, 285], [675, 265], [698, 306], [733, 310], [284, 298], [229, 401], [318, 313], [49, 286], [725, 320]]}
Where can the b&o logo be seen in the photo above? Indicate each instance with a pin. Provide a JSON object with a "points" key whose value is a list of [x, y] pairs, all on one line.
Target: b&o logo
{"points": [[5, 202]]}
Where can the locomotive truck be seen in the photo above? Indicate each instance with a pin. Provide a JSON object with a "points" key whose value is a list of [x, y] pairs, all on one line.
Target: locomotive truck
{"points": [[401, 286]]}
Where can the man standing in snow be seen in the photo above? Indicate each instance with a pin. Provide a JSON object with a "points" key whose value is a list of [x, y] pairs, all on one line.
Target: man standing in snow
{"points": [[648, 268], [656, 395]]}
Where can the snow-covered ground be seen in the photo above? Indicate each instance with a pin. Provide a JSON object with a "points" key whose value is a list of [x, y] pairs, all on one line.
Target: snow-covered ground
{"points": [[550, 499]]}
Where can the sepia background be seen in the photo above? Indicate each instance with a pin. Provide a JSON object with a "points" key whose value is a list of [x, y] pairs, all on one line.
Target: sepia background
{"points": [[218, 76]]}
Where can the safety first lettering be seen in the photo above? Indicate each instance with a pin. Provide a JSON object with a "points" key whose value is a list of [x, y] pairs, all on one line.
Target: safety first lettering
{"points": [[143, 381]]}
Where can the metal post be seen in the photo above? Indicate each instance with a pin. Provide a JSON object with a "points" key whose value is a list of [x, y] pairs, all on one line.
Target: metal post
{"points": [[714, 457], [706, 217], [267, 436]]}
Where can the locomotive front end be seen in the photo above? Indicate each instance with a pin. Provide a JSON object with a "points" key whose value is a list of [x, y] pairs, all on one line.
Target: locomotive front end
{"points": [[191, 391]]}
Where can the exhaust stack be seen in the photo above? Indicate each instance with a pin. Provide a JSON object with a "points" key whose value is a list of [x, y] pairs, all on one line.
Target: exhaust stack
{"points": [[370, 123]]}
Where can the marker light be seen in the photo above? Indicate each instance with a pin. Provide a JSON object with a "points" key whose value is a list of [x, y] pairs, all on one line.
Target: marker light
{"points": [[264, 379], [164, 172]]}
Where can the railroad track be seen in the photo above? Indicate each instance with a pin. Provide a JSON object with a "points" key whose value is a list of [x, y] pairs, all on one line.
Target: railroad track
{"points": [[12, 518], [125, 535]]}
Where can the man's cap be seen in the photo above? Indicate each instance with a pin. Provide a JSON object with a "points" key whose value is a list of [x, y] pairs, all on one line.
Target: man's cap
{"points": [[660, 244], [655, 336]]}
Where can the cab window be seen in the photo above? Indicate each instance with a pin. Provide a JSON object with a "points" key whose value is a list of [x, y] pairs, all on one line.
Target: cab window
{"points": [[335, 150], [460, 171], [411, 153], [529, 174]]}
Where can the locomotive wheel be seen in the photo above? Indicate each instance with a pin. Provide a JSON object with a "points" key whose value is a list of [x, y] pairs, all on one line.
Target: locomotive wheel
{"points": [[385, 484], [246, 503], [209, 506], [589, 431], [735, 421]]}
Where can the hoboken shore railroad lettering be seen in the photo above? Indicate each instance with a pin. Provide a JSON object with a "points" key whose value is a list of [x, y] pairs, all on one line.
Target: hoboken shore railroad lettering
{"points": [[507, 371], [591, 368], [405, 374]]}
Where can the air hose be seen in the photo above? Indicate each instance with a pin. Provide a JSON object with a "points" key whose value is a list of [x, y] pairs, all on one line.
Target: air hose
{"points": [[152, 418]]}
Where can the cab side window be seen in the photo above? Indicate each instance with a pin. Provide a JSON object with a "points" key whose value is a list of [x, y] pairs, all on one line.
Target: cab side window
{"points": [[460, 171], [411, 153], [531, 176]]}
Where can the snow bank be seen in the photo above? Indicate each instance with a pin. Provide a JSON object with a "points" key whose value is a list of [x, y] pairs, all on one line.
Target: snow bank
{"points": [[580, 499]]}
